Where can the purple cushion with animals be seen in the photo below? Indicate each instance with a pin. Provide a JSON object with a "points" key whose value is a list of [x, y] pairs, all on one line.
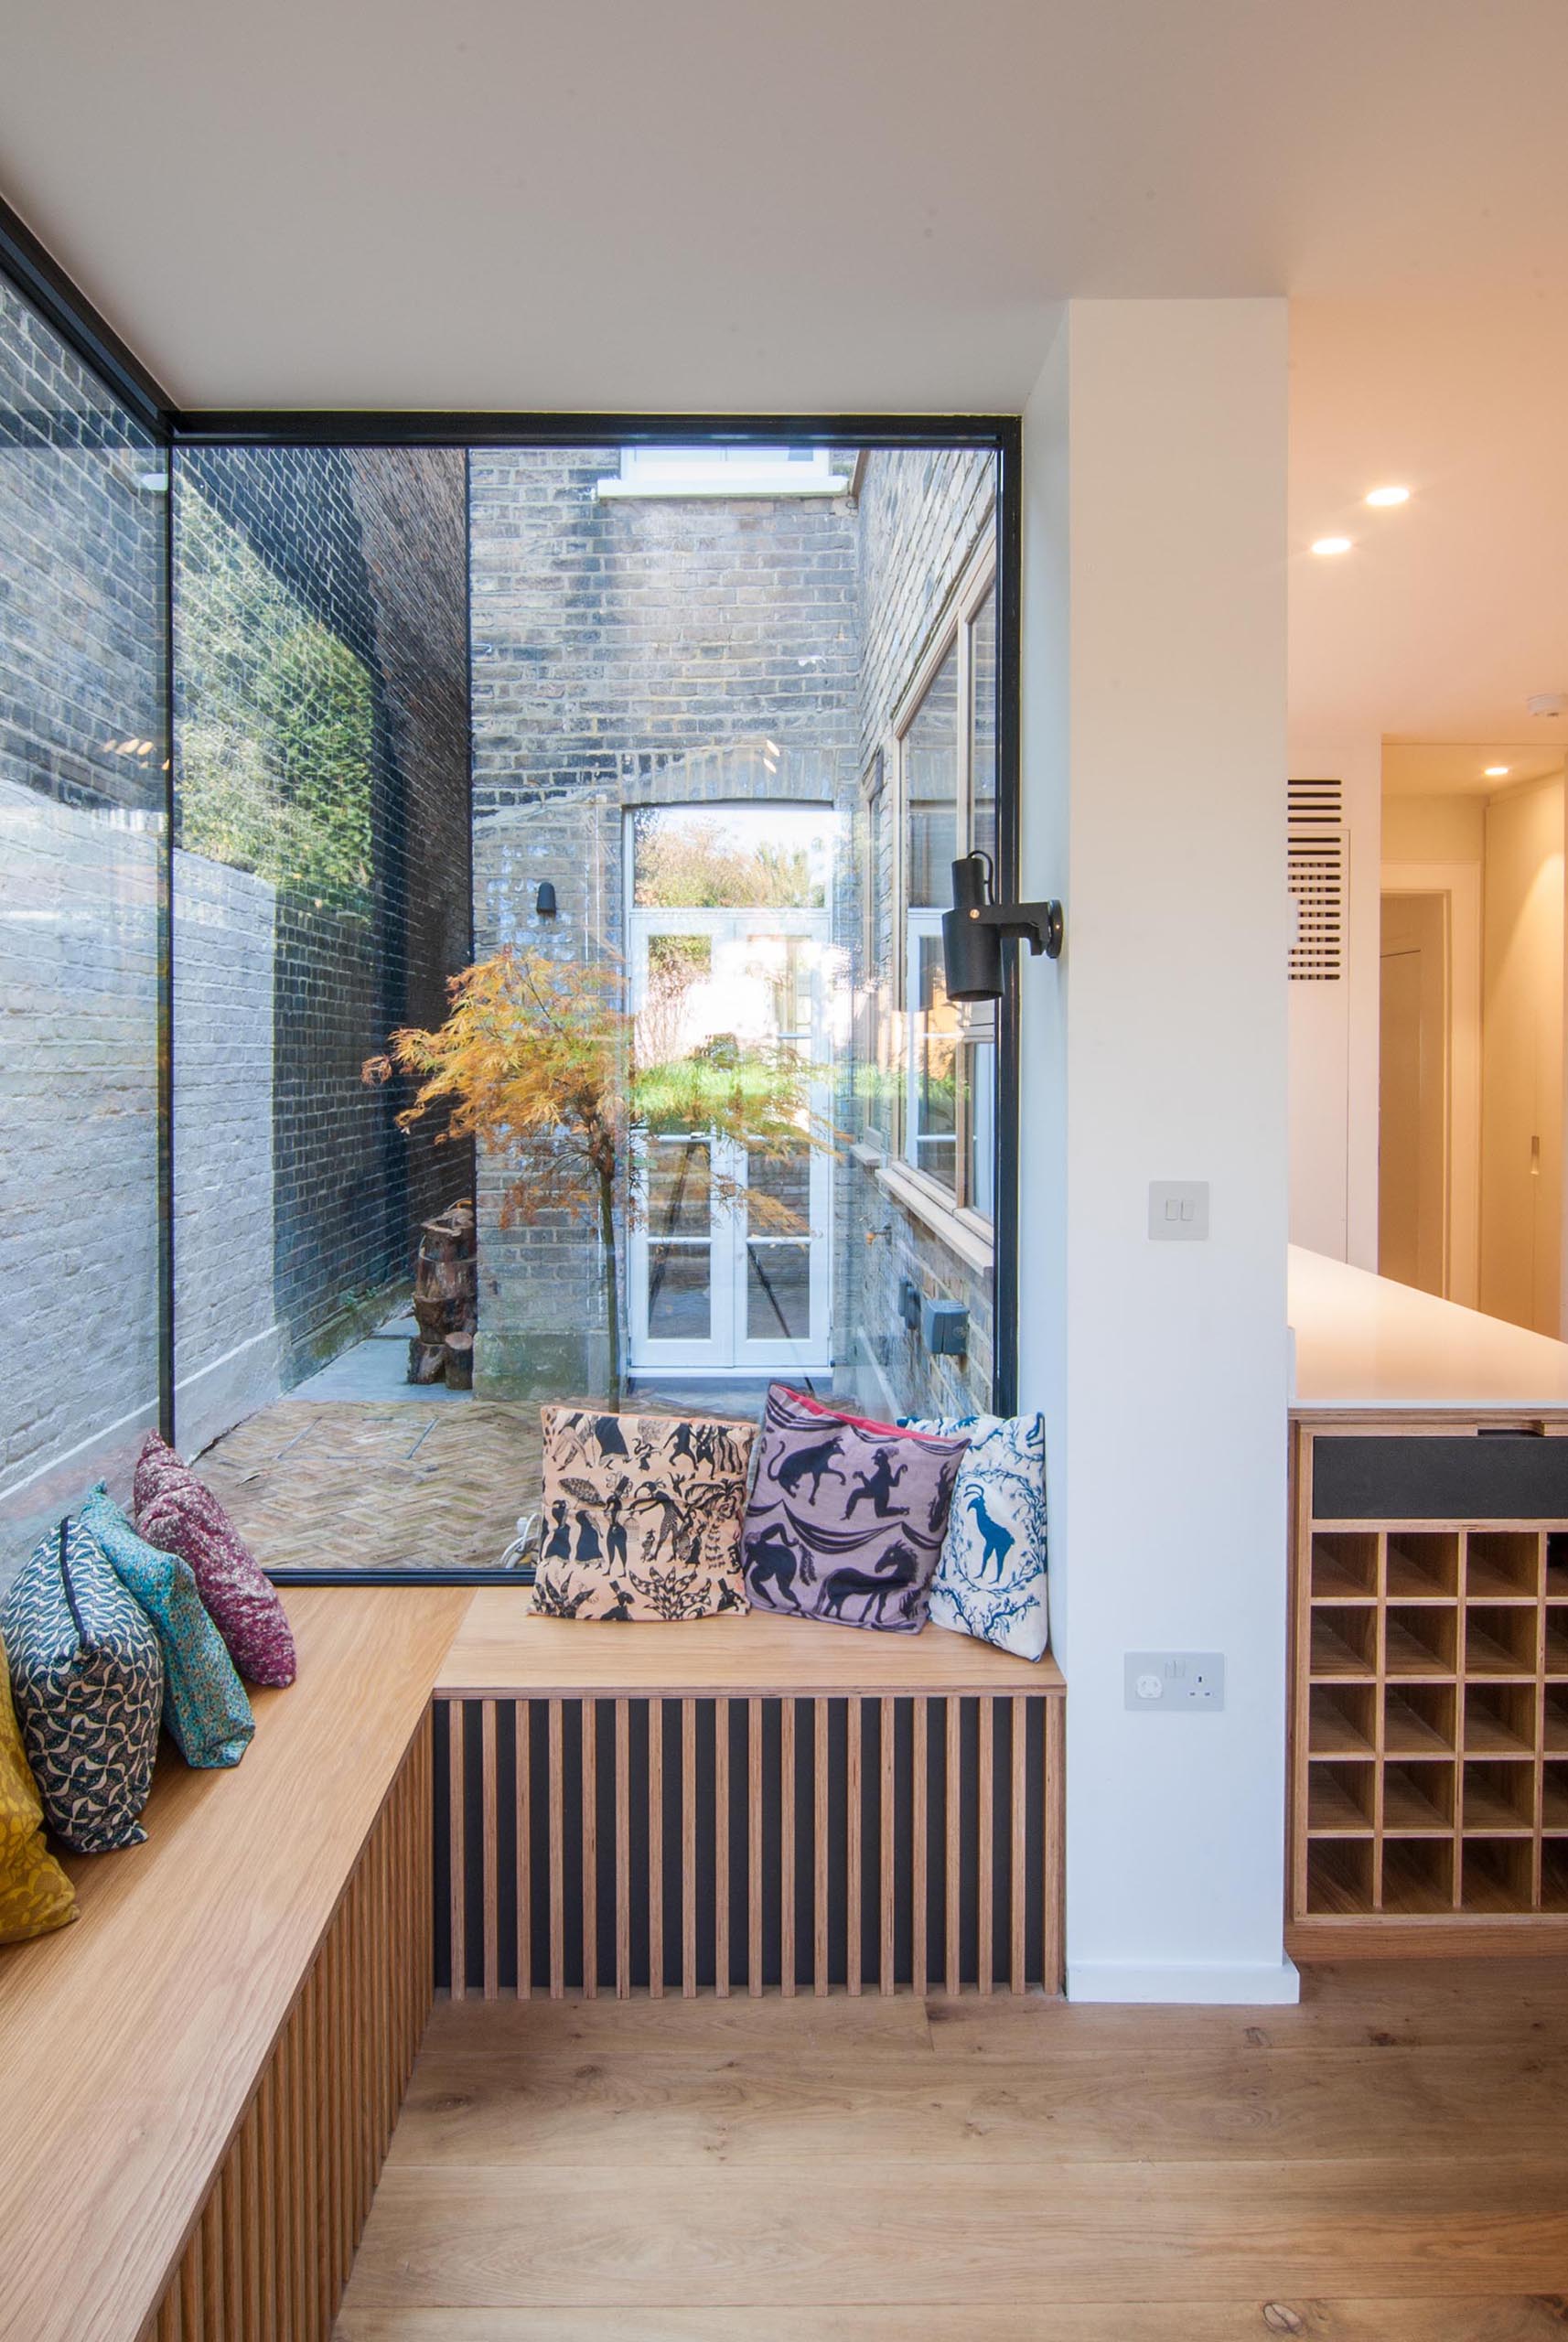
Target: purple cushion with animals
{"points": [[846, 1517]]}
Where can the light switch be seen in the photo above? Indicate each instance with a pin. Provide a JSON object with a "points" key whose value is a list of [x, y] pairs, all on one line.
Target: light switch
{"points": [[1178, 1210]]}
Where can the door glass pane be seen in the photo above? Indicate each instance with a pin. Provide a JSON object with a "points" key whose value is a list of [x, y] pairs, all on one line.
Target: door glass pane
{"points": [[777, 1292], [678, 1187], [935, 1067], [729, 857], [784, 1182], [674, 1016], [982, 719], [981, 1060], [680, 1285], [930, 773], [781, 967]]}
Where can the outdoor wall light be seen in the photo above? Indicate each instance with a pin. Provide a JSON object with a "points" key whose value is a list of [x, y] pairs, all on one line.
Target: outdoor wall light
{"points": [[972, 931], [544, 901]]}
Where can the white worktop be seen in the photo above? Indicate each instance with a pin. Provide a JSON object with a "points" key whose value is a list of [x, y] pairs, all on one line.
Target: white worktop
{"points": [[1363, 1342]]}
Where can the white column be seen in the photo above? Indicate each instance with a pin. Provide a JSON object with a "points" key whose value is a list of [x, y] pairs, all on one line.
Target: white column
{"points": [[1154, 804]]}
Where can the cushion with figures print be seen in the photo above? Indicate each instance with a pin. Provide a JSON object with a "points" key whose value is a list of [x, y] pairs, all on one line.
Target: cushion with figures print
{"points": [[991, 1581], [36, 1896], [205, 1706], [175, 1512], [642, 1515], [87, 1679], [847, 1516]]}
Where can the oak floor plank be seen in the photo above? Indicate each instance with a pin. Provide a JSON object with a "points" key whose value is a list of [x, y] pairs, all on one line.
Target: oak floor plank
{"points": [[562, 2107], [466, 2236], [1477, 2319]]}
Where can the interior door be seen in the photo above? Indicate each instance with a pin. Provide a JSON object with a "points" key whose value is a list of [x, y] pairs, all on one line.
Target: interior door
{"points": [[714, 1288], [1412, 1107]]}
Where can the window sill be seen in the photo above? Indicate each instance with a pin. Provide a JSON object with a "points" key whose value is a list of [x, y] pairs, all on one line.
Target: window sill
{"points": [[958, 1230], [612, 490]]}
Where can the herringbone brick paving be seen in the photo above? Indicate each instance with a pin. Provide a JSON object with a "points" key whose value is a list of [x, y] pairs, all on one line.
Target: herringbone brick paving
{"points": [[343, 1485]]}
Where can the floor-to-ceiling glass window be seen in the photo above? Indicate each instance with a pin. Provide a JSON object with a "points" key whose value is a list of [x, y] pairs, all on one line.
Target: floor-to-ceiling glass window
{"points": [[83, 491]]}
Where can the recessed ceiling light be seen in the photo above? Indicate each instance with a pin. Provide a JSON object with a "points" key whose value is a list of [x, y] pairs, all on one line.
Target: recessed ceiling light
{"points": [[1497, 772], [1389, 496], [1331, 544]]}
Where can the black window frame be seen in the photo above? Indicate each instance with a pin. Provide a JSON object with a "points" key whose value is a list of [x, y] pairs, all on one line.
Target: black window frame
{"points": [[39, 279]]}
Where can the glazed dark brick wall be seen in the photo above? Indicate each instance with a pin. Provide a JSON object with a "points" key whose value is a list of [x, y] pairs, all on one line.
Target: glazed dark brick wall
{"points": [[370, 544]]}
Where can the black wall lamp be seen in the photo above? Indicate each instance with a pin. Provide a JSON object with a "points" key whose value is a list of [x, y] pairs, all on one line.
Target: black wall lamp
{"points": [[972, 931], [544, 901]]}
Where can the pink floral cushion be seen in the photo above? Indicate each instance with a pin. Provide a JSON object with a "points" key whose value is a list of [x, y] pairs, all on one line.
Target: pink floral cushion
{"points": [[178, 1515]]}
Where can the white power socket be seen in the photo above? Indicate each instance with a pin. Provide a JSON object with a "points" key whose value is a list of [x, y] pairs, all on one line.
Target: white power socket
{"points": [[1176, 1680]]}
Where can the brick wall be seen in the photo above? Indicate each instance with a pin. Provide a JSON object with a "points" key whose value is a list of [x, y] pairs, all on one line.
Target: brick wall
{"points": [[922, 513], [227, 1339], [628, 654], [81, 800], [321, 746]]}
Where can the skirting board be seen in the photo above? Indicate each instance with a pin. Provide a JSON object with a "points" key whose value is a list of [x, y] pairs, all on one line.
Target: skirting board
{"points": [[1216, 1984]]}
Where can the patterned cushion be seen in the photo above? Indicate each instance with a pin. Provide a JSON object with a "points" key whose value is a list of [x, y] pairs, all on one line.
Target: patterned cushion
{"points": [[991, 1582], [88, 1677], [642, 1515], [205, 1705], [35, 1894], [178, 1515], [846, 1518]]}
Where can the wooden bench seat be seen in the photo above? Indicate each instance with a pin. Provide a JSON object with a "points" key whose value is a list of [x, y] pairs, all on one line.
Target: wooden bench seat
{"points": [[182, 2032], [201, 2077]]}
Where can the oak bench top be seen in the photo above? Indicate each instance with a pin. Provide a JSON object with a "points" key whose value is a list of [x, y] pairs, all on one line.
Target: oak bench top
{"points": [[130, 2043], [502, 1651]]}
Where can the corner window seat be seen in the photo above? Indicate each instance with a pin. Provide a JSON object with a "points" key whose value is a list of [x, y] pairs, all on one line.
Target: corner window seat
{"points": [[203, 2074]]}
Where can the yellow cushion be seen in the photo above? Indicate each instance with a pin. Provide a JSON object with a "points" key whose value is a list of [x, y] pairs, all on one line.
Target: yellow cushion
{"points": [[35, 1893]]}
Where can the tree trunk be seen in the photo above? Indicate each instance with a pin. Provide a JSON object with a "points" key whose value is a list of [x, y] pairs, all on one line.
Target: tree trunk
{"points": [[612, 1283]]}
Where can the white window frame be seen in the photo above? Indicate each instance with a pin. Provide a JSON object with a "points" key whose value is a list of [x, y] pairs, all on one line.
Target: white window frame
{"points": [[722, 470], [977, 1022]]}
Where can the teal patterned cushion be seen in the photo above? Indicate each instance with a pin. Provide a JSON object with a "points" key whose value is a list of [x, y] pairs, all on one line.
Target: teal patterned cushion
{"points": [[87, 1679], [205, 1705]]}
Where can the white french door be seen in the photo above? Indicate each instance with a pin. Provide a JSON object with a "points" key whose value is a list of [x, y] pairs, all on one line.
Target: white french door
{"points": [[711, 1290]]}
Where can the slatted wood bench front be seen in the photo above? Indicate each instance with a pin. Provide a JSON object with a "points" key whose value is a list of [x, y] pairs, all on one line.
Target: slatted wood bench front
{"points": [[742, 1805]]}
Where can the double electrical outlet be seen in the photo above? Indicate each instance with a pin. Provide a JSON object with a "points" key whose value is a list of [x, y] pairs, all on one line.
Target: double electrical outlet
{"points": [[1172, 1679]]}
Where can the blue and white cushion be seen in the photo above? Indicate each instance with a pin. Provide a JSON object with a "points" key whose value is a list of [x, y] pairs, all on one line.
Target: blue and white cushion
{"points": [[990, 1579]]}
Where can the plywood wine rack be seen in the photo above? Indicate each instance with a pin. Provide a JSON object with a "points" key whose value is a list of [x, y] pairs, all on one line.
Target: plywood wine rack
{"points": [[1430, 1726]]}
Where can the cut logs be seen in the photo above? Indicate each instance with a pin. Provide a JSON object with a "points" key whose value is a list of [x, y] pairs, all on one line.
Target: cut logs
{"points": [[445, 1290]]}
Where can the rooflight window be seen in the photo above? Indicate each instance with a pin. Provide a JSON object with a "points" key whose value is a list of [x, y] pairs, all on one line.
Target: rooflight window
{"points": [[717, 470]]}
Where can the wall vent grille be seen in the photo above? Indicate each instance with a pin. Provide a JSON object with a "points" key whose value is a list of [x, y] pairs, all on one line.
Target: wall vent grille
{"points": [[1317, 881]]}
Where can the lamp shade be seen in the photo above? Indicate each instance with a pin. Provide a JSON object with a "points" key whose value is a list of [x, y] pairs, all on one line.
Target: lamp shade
{"points": [[972, 947]]}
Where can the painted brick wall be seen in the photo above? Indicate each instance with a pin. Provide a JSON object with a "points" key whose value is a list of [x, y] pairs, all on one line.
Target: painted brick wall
{"points": [[227, 1339], [322, 745], [80, 797], [628, 654]]}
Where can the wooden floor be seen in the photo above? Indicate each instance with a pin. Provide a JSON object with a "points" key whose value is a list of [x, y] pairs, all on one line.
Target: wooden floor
{"points": [[1388, 2163]]}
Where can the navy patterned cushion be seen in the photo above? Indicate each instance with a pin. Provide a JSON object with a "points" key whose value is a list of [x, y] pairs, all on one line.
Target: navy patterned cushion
{"points": [[847, 1517], [87, 1679]]}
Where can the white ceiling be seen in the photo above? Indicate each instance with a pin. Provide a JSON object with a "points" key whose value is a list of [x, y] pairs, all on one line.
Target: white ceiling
{"points": [[873, 205], [1451, 610], [1462, 771], [842, 204]]}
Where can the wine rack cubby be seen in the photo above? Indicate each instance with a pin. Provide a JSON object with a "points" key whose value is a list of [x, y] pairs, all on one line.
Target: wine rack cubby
{"points": [[1430, 1716]]}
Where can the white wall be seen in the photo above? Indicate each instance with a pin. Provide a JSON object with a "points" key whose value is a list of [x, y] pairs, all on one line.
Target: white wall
{"points": [[1334, 1031], [1155, 803]]}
